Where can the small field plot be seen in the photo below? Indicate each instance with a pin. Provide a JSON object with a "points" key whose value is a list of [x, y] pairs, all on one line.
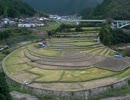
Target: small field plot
{"points": [[85, 75], [100, 50], [70, 75], [47, 52], [46, 75], [44, 51], [83, 43], [14, 58], [17, 69], [50, 26], [125, 73]]}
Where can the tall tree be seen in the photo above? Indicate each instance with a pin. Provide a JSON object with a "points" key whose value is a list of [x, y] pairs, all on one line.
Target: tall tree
{"points": [[4, 90], [109, 36]]}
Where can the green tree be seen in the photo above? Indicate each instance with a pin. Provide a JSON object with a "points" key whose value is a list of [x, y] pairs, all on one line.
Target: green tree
{"points": [[109, 36], [4, 90], [126, 52], [78, 28]]}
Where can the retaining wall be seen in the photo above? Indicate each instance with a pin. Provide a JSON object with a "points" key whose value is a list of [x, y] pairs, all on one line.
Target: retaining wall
{"points": [[73, 95]]}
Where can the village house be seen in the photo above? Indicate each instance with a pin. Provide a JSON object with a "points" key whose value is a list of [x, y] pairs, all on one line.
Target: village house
{"points": [[27, 25]]}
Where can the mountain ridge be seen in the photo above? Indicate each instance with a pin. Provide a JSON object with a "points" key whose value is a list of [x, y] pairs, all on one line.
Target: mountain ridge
{"points": [[15, 8], [63, 7], [111, 9]]}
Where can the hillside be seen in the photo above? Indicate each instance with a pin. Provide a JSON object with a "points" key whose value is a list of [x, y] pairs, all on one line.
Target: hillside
{"points": [[63, 7], [15, 8], [115, 9]]}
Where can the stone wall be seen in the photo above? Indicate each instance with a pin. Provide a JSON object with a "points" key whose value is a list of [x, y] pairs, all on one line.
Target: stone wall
{"points": [[73, 95]]}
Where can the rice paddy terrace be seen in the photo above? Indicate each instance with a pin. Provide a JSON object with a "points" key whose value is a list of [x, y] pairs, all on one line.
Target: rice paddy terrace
{"points": [[72, 62]]}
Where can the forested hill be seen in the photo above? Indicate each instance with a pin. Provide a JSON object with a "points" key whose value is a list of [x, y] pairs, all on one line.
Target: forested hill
{"points": [[15, 8], [115, 9], [63, 7]]}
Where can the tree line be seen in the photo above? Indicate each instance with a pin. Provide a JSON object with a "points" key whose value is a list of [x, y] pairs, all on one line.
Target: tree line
{"points": [[4, 89], [13, 32], [109, 36], [114, 9]]}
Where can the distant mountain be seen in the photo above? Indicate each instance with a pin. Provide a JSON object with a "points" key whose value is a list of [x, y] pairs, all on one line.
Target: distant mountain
{"points": [[115, 9], [63, 7], [15, 8]]}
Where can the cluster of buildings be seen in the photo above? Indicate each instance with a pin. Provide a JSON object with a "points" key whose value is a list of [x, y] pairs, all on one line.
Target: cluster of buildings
{"points": [[69, 17], [32, 21], [23, 22]]}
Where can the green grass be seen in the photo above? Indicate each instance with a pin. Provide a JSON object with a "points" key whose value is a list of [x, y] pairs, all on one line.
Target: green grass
{"points": [[2, 56], [47, 52], [17, 69], [50, 26], [125, 73], [15, 65], [88, 29], [91, 28], [103, 51], [44, 51], [86, 74], [46, 75], [70, 75], [14, 58], [83, 43], [112, 53], [98, 51]]}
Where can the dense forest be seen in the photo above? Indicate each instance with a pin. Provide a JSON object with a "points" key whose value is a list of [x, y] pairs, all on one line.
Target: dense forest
{"points": [[113, 9], [15, 8], [4, 90], [109, 36], [13, 32], [63, 7]]}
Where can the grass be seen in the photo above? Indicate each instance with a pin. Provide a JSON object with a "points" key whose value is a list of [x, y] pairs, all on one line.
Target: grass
{"points": [[46, 75], [17, 69], [14, 58], [112, 53], [101, 51], [47, 52], [86, 74], [104, 51], [44, 51], [88, 29], [14, 63], [2, 56], [125, 73], [83, 43], [50, 26], [70, 75], [98, 51]]}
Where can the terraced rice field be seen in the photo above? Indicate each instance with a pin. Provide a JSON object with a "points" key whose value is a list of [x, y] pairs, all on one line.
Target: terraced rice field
{"points": [[66, 63]]}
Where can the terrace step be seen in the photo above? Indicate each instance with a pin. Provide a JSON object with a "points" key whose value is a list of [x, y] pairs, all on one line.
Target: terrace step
{"points": [[63, 58], [87, 62]]}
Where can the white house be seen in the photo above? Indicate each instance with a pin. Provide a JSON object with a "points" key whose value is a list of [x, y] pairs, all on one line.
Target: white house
{"points": [[40, 25], [26, 25]]}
